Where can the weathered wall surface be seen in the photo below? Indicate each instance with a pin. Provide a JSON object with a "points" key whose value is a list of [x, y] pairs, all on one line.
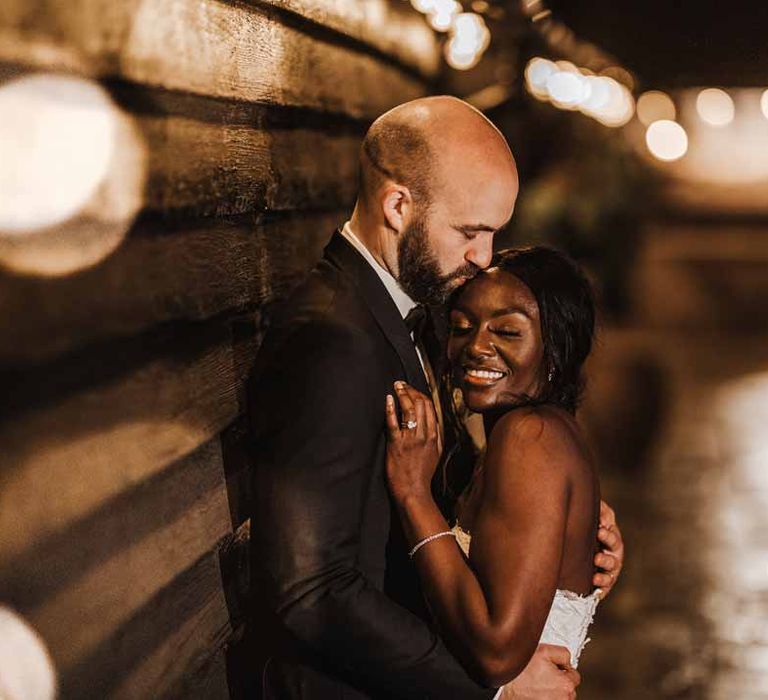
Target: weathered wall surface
{"points": [[123, 497]]}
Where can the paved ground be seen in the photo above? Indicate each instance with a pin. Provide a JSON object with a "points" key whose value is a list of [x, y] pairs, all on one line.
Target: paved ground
{"points": [[681, 419]]}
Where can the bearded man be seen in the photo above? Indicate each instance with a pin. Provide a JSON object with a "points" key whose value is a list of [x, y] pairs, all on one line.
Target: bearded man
{"points": [[328, 558]]}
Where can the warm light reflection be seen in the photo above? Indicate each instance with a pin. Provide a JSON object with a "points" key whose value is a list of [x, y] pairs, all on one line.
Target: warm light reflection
{"points": [[653, 106], [666, 140], [715, 107], [72, 174], [738, 521]]}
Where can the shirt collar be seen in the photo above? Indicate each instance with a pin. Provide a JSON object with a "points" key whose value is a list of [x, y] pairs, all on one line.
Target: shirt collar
{"points": [[403, 302]]}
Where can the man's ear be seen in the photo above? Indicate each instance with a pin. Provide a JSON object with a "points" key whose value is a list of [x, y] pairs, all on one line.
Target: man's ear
{"points": [[397, 205]]}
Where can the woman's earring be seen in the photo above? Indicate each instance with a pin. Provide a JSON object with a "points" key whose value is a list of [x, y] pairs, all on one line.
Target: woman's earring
{"points": [[550, 375]]}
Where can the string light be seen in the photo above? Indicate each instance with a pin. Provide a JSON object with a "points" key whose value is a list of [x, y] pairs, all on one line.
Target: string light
{"points": [[666, 140], [764, 103], [537, 73], [653, 106], [568, 87], [470, 37], [715, 107], [423, 6], [443, 14]]}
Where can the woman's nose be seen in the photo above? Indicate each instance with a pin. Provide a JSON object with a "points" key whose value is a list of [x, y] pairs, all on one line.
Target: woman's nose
{"points": [[480, 345]]}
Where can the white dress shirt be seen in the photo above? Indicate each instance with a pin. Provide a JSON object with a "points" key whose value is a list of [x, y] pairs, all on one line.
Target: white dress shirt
{"points": [[403, 302]]}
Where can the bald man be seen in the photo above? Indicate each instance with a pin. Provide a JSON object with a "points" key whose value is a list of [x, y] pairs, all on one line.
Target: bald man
{"points": [[329, 560]]}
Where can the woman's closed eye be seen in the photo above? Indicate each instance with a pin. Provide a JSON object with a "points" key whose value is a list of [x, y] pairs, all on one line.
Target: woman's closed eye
{"points": [[460, 328], [507, 332]]}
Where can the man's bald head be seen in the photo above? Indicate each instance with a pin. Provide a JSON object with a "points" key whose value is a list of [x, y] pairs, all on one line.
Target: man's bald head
{"points": [[423, 143], [437, 181]]}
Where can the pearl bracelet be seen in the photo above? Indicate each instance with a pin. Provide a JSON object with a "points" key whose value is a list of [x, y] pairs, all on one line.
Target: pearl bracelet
{"points": [[426, 540]]}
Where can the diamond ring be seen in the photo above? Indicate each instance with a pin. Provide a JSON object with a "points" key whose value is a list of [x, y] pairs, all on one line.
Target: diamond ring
{"points": [[410, 425]]}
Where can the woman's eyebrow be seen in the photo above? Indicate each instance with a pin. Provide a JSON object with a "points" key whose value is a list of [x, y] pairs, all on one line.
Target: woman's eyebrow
{"points": [[511, 310]]}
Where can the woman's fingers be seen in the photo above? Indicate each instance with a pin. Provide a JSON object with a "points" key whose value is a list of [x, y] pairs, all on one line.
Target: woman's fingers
{"points": [[407, 407], [417, 407], [391, 414]]}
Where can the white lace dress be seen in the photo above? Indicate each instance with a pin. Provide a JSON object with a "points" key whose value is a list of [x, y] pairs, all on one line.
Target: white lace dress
{"points": [[569, 617]]}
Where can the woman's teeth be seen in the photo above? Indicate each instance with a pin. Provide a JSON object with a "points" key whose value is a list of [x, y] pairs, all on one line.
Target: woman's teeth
{"points": [[484, 374]]}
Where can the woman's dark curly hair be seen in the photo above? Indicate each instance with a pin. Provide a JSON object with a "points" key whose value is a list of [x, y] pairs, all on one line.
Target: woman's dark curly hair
{"points": [[567, 317]]}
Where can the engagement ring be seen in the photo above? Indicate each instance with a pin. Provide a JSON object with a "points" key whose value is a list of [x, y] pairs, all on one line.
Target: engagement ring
{"points": [[410, 425]]}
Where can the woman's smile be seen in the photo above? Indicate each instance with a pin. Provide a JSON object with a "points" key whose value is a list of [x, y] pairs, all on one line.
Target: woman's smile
{"points": [[482, 376]]}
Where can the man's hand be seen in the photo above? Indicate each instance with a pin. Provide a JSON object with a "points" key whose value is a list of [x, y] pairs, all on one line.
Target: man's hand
{"points": [[548, 676], [611, 559]]}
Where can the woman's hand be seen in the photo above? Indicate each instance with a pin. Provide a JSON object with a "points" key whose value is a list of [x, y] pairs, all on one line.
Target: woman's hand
{"points": [[414, 446]]}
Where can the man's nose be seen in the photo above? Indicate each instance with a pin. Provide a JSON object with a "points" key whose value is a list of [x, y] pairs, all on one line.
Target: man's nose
{"points": [[481, 250]]}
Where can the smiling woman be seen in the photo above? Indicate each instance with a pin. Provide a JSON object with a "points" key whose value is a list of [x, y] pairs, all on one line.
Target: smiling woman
{"points": [[521, 331], [527, 522]]}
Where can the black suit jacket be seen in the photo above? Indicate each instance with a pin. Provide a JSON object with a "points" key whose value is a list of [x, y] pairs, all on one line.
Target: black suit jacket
{"points": [[328, 556]]}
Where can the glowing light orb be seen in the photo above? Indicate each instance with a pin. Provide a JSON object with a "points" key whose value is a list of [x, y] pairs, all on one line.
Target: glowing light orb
{"points": [[715, 107], [442, 15], [599, 95], [470, 37], [471, 32], [537, 73], [764, 103], [57, 136], [26, 669], [71, 177], [653, 106], [459, 58], [423, 5], [666, 140], [620, 106], [567, 89]]}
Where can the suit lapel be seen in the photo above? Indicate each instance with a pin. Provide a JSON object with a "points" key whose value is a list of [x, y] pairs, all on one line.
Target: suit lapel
{"points": [[341, 253]]}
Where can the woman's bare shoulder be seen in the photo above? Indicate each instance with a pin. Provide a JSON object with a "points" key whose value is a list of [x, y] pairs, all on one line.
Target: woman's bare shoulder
{"points": [[540, 434]]}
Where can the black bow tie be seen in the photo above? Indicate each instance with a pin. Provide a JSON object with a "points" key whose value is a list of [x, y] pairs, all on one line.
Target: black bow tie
{"points": [[415, 322]]}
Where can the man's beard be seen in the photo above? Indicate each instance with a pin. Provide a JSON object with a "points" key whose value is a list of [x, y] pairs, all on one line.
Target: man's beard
{"points": [[419, 270]]}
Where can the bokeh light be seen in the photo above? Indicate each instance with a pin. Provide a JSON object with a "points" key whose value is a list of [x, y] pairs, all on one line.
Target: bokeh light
{"points": [[715, 107], [26, 668], [653, 106], [423, 5], [764, 103], [666, 140], [443, 14], [72, 176], [57, 134], [567, 89], [567, 86], [470, 38], [620, 106], [537, 73]]}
